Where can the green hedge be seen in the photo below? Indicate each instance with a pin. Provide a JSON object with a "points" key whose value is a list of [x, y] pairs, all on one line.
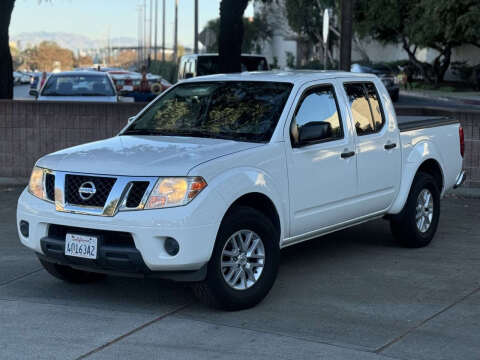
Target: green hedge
{"points": [[167, 70]]}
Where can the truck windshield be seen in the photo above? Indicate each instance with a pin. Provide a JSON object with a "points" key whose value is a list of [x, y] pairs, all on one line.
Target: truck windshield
{"points": [[235, 110]]}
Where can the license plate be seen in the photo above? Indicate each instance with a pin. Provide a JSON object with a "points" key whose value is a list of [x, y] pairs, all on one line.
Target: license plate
{"points": [[83, 246], [127, 88]]}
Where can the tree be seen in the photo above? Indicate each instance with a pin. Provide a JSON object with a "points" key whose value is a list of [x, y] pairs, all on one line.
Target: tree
{"points": [[255, 29], [47, 56], [6, 66], [305, 17], [85, 61], [346, 16], [438, 24], [17, 60], [231, 35]]}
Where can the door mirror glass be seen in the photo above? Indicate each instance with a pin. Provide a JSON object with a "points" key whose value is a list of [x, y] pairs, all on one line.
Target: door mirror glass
{"points": [[188, 75], [314, 131], [33, 92]]}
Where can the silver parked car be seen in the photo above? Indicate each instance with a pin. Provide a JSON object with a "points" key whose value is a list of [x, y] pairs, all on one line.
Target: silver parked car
{"points": [[90, 86]]}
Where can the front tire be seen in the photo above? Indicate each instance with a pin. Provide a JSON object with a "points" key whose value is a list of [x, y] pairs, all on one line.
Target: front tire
{"points": [[417, 224], [244, 262], [69, 274]]}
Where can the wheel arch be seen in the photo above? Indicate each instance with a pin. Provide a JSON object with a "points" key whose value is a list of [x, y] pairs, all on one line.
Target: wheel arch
{"points": [[260, 202], [429, 163]]}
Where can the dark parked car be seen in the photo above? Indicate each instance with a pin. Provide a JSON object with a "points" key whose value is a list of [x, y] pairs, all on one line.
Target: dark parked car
{"points": [[207, 64], [385, 73]]}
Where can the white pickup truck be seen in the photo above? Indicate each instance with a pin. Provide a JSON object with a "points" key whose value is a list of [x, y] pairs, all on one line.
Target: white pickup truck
{"points": [[215, 176]]}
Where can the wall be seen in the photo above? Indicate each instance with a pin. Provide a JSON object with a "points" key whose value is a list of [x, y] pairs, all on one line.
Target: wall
{"points": [[31, 129], [470, 121]]}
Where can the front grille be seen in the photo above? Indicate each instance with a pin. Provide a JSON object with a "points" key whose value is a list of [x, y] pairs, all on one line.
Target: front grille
{"points": [[50, 186], [103, 186], [108, 238], [136, 193]]}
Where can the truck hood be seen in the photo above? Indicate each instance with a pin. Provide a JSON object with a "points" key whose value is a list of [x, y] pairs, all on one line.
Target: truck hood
{"points": [[141, 155]]}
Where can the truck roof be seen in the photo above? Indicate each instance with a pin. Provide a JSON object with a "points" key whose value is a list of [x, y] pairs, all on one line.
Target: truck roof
{"points": [[292, 76]]}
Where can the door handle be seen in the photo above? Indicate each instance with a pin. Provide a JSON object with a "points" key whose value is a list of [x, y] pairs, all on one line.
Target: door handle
{"points": [[390, 146], [346, 155]]}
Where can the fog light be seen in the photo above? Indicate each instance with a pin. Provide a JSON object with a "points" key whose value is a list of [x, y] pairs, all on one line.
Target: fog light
{"points": [[24, 228], [171, 246]]}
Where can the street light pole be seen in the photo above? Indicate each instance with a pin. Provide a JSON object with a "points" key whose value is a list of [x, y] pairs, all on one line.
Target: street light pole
{"points": [[196, 28], [139, 35], [144, 50], [155, 47], [151, 33], [175, 34], [163, 32]]}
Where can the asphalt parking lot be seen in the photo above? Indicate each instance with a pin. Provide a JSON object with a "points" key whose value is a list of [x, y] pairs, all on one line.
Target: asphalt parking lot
{"points": [[350, 295]]}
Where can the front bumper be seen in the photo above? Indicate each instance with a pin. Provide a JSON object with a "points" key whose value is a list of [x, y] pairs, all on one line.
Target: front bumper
{"points": [[194, 226]]}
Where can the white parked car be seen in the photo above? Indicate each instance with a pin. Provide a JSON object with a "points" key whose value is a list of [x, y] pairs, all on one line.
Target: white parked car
{"points": [[215, 176], [91, 86], [20, 77]]}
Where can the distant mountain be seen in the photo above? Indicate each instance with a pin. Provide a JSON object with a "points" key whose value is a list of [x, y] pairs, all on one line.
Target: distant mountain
{"points": [[68, 40]]}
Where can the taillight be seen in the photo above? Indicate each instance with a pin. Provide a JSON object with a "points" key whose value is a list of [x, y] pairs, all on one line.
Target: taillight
{"points": [[462, 141]]}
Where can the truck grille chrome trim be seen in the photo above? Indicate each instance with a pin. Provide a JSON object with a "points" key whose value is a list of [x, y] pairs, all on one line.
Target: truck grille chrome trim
{"points": [[123, 194]]}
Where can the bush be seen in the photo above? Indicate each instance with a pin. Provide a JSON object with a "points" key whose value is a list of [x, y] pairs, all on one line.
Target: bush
{"points": [[167, 70], [318, 65], [462, 70]]}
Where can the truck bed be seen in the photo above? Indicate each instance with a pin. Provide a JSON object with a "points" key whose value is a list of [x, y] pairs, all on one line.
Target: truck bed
{"points": [[408, 123]]}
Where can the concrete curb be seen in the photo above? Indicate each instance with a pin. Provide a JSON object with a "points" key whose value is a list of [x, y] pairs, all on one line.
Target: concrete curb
{"points": [[464, 192], [460, 100]]}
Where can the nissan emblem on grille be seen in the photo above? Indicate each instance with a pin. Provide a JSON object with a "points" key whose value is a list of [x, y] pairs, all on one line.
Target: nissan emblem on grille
{"points": [[87, 190]]}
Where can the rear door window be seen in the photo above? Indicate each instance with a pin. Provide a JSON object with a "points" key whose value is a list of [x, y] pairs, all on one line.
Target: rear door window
{"points": [[365, 107], [377, 113]]}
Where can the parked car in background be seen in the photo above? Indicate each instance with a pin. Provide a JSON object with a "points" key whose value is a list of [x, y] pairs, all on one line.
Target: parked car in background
{"points": [[34, 83], [385, 73], [212, 179], [20, 77], [91, 86], [208, 64]]}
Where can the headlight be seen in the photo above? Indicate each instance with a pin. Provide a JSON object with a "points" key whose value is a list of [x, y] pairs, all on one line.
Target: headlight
{"points": [[36, 186], [174, 191]]}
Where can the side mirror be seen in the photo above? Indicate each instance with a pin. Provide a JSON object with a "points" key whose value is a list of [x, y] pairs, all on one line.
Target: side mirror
{"points": [[131, 119], [188, 75], [33, 92], [314, 131]]}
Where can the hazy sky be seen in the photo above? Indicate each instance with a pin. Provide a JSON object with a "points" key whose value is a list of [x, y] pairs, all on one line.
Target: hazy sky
{"points": [[93, 17]]}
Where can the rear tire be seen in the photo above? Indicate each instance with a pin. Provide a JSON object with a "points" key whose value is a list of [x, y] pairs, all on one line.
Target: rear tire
{"points": [[417, 224], [220, 289], [69, 274]]}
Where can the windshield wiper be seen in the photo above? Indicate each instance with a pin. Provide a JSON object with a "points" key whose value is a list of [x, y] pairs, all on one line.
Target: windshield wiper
{"points": [[141, 132], [92, 94], [55, 94]]}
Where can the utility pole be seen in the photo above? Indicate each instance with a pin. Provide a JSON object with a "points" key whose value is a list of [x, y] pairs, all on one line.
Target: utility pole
{"points": [[144, 50], [346, 34], [140, 36], [195, 46], [155, 47], [175, 34], [163, 32], [151, 33]]}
